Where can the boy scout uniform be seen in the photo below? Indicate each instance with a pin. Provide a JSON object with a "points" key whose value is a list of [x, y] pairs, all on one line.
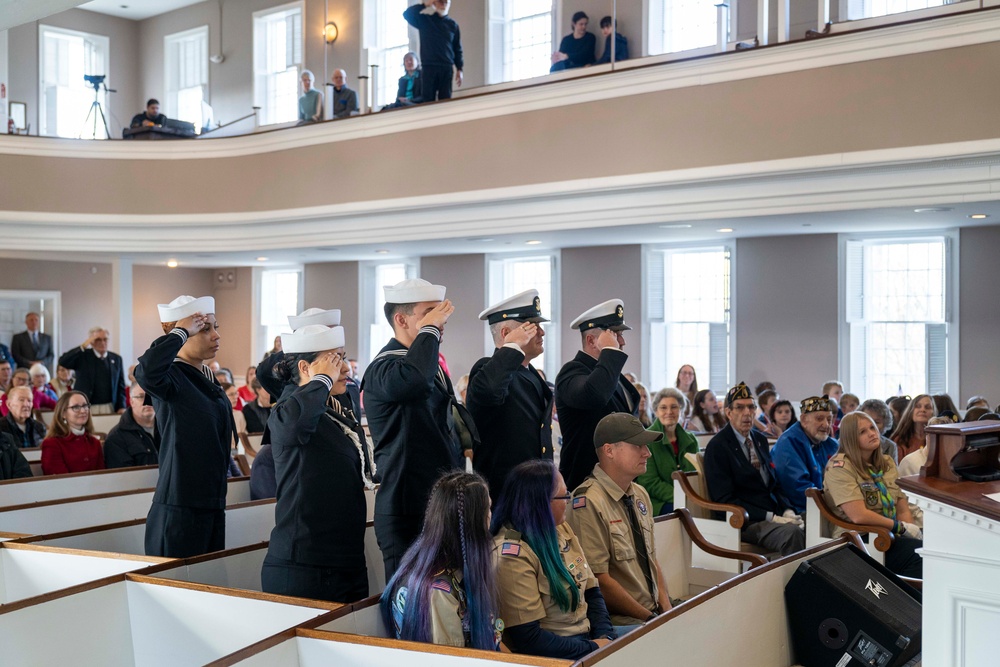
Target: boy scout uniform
{"points": [[525, 593], [601, 520], [842, 483]]}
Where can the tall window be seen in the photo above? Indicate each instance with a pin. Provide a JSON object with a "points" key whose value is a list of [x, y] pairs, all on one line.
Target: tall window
{"points": [[512, 275], [688, 301], [681, 25], [277, 60], [520, 39], [851, 10], [280, 296], [65, 99], [377, 330], [896, 298], [387, 38], [186, 74]]}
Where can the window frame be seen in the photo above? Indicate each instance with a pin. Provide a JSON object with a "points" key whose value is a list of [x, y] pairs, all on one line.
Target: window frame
{"points": [[170, 106], [372, 52], [105, 41], [368, 313], [951, 300], [498, 39], [263, 116], [260, 340]]}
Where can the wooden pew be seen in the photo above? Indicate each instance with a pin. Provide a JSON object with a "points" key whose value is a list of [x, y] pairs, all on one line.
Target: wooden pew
{"points": [[60, 515], [129, 620], [27, 570], [34, 457], [104, 423], [75, 485], [821, 521]]}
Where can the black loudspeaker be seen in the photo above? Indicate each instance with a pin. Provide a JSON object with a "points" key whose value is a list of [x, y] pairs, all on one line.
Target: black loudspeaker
{"points": [[845, 609]]}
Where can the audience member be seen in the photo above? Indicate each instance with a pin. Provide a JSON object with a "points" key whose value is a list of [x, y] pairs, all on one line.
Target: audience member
{"points": [[444, 591], [247, 393], [409, 399], [311, 101], [344, 101], [914, 461], [440, 48], [257, 411], [64, 380], [510, 403], [134, 440], [32, 346], [849, 403], [977, 402], [461, 387], [13, 465], [5, 355], [909, 432], [410, 88], [577, 48], [22, 378], [40, 382], [762, 386], [150, 117], [667, 455], [263, 483], [275, 348], [860, 486], [70, 444], [621, 44], [943, 403], [6, 372], [18, 423], [898, 405], [706, 417], [882, 416], [833, 389], [645, 412], [591, 385], [612, 515], [550, 601], [738, 471], [687, 382], [801, 453], [762, 422], [233, 394], [99, 373], [781, 417]]}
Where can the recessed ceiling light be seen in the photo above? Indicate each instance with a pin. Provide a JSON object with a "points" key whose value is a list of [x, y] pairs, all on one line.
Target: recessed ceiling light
{"points": [[932, 209], [532, 242], [675, 226], [725, 230], [979, 216], [262, 259], [172, 263], [381, 252]]}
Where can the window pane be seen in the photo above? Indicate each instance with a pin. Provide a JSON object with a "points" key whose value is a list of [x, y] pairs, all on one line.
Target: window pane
{"points": [[897, 359], [861, 9], [277, 58], [688, 24], [380, 330], [510, 276], [67, 101]]}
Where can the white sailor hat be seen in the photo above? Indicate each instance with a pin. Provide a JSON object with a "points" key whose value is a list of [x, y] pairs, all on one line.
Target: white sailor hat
{"points": [[607, 315], [328, 318], [414, 290], [312, 338], [523, 307], [185, 306]]}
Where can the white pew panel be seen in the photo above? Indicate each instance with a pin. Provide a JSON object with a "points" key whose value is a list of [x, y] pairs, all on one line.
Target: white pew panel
{"points": [[75, 485]]}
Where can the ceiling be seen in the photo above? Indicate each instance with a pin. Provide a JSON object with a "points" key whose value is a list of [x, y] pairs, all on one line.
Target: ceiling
{"points": [[18, 12], [136, 10]]}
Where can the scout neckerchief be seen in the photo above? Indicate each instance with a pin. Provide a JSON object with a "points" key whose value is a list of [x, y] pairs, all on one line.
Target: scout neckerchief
{"points": [[888, 506]]}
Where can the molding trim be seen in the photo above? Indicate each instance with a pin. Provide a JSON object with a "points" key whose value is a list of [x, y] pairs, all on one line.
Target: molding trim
{"points": [[958, 515], [633, 77]]}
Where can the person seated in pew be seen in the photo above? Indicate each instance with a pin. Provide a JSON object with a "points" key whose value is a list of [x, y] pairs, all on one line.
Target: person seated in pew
{"points": [[18, 423], [444, 590], [40, 382], [39, 400], [13, 465], [781, 417], [263, 483], [549, 597], [323, 464], [257, 410], [667, 455], [70, 445], [577, 48], [64, 380], [150, 117], [860, 487], [613, 516], [6, 371], [801, 453], [246, 391], [738, 471], [134, 441], [609, 26], [233, 394]]}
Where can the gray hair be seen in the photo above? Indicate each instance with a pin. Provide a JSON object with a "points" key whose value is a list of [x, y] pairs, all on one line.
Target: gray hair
{"points": [[495, 331], [308, 73], [879, 408], [31, 393], [96, 330], [669, 392], [416, 58], [38, 369]]}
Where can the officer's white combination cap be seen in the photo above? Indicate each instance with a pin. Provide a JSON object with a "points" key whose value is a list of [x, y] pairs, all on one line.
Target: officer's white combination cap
{"points": [[312, 338], [523, 307], [414, 290], [328, 318], [607, 315], [185, 306]]}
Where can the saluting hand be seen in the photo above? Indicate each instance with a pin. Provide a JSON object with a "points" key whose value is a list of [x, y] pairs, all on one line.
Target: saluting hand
{"points": [[328, 363], [437, 316], [522, 334], [609, 338], [193, 324]]}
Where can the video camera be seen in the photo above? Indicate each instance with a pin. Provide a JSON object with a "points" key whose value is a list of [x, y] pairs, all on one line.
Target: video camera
{"points": [[95, 80]]}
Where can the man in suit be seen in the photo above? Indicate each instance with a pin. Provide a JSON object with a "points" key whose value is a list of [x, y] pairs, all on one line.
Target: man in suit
{"points": [[99, 373], [510, 403], [591, 385], [32, 346], [738, 471]]}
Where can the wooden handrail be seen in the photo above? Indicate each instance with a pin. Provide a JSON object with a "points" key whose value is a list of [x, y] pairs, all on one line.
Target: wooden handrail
{"points": [[739, 516], [692, 530], [883, 536]]}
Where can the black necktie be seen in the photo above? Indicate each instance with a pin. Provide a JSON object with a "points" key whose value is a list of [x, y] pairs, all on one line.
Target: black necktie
{"points": [[640, 545]]}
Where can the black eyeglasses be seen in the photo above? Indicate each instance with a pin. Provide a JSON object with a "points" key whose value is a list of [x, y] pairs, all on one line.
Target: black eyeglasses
{"points": [[78, 408]]}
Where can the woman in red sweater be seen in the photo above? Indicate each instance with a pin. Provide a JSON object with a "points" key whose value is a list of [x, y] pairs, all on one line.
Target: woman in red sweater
{"points": [[70, 445]]}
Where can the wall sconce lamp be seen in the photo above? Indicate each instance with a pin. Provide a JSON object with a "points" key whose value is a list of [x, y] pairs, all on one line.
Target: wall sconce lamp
{"points": [[331, 32]]}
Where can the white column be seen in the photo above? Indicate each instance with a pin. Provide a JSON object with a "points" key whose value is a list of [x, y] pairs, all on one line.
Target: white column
{"points": [[822, 14], [783, 21], [763, 20], [722, 27], [121, 299]]}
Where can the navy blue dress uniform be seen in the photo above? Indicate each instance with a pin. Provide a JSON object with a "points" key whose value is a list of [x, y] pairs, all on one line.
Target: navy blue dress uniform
{"points": [[102, 380], [322, 465], [408, 401], [195, 421], [510, 403], [588, 389]]}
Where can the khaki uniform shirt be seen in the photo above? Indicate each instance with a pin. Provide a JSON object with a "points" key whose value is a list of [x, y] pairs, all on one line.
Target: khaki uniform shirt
{"points": [[599, 517], [525, 592], [842, 483], [446, 613]]}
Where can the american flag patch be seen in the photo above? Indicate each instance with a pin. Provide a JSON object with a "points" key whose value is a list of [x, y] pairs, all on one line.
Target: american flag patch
{"points": [[441, 585], [510, 549], [579, 502]]}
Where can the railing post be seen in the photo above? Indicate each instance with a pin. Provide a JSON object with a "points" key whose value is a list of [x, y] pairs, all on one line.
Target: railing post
{"points": [[722, 27], [363, 96], [783, 21], [374, 85], [823, 14], [763, 20]]}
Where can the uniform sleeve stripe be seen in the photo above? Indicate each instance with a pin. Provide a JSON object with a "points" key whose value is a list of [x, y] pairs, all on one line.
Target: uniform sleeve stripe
{"points": [[431, 330], [180, 332]]}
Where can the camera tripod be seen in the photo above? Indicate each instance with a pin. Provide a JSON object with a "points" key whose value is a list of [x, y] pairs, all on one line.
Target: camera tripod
{"points": [[95, 111]]}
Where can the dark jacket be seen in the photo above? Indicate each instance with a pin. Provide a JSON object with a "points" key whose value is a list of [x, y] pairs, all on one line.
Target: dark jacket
{"points": [[731, 479], [195, 422], [256, 417], [404, 84], [31, 436], [262, 480], [128, 444], [13, 465], [92, 373], [24, 352], [512, 408], [587, 390], [621, 49], [321, 510], [137, 120], [440, 38], [409, 414]]}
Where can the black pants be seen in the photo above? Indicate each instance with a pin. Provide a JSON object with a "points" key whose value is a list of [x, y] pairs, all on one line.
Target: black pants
{"points": [[903, 559], [785, 538], [436, 82], [334, 584], [174, 531], [395, 534]]}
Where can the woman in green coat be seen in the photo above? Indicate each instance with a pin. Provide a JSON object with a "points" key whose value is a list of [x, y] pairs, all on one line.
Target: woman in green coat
{"points": [[668, 452]]}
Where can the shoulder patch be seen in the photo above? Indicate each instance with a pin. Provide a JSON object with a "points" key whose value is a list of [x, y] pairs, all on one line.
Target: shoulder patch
{"points": [[837, 464], [442, 585], [579, 502], [642, 507], [510, 549]]}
